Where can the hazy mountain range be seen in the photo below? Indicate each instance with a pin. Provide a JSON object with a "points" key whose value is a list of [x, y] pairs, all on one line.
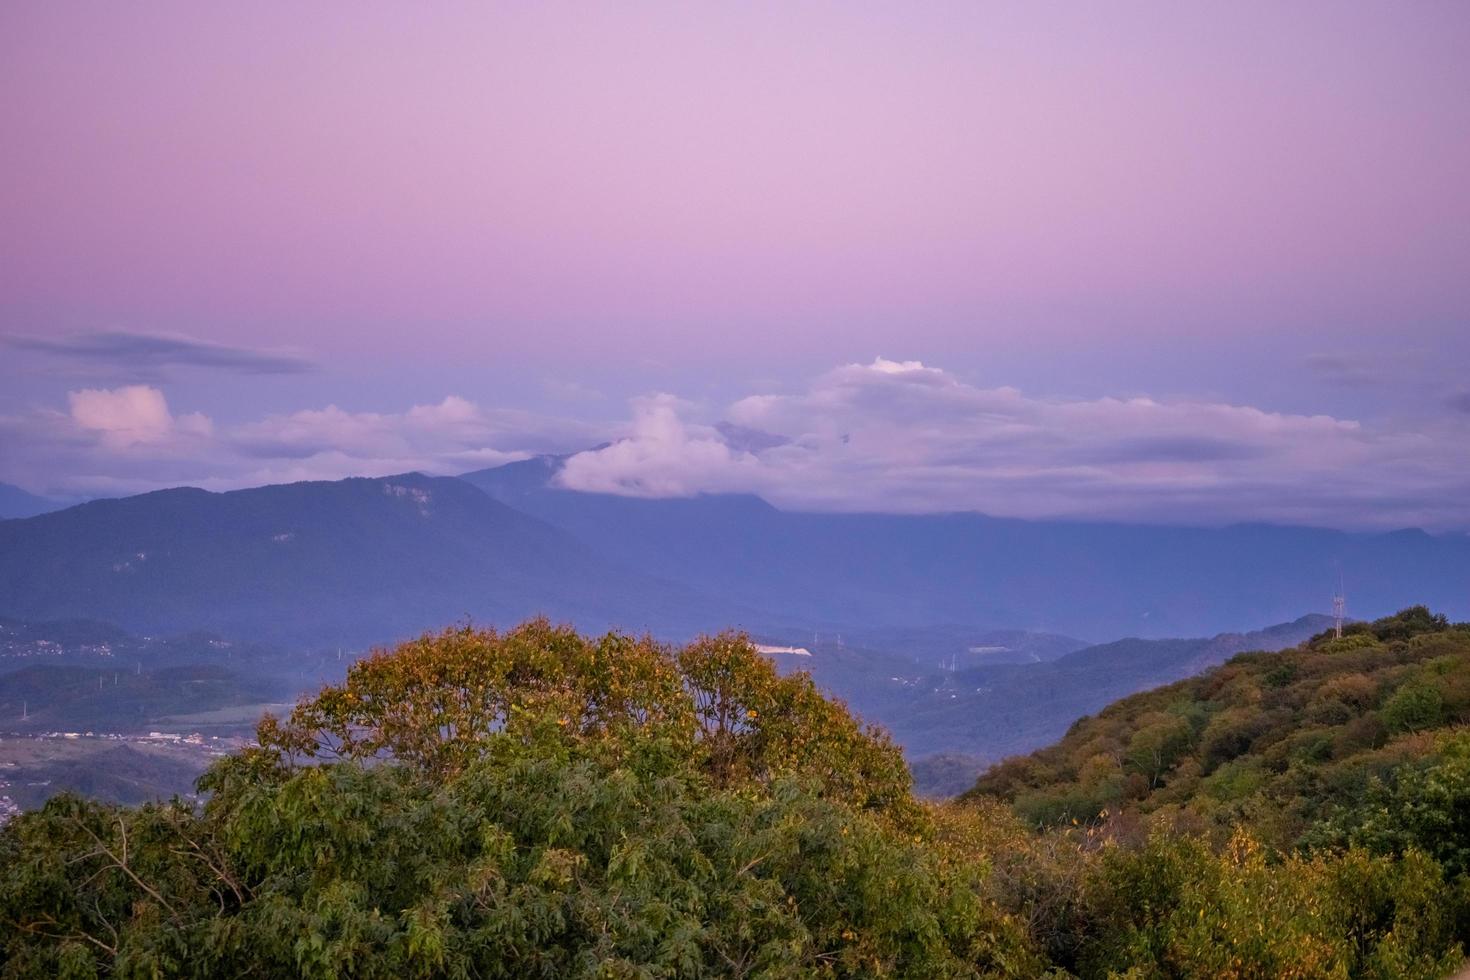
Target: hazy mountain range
{"points": [[15, 502], [960, 720], [353, 561], [1097, 581], [370, 560]]}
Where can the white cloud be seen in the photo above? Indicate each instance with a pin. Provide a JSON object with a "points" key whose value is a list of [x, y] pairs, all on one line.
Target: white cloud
{"points": [[902, 436], [132, 414], [664, 456], [127, 440], [883, 365], [436, 438], [891, 435]]}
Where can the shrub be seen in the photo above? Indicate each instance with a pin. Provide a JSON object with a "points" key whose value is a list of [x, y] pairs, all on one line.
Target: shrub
{"points": [[1415, 706], [527, 804]]}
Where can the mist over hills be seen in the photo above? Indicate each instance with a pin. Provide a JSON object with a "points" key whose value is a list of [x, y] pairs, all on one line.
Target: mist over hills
{"points": [[15, 502], [985, 711], [1093, 580], [368, 560]]}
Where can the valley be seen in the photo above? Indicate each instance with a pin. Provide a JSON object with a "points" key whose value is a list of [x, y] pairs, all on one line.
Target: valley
{"points": [[657, 491], [122, 768], [952, 711]]}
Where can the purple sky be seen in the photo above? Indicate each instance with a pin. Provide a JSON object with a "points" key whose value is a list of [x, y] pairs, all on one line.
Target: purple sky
{"points": [[243, 242]]}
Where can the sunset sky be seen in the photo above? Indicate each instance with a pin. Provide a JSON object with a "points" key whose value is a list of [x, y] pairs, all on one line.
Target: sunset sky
{"points": [[1136, 260]]}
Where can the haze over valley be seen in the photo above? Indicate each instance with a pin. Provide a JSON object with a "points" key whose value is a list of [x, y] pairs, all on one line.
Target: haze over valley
{"points": [[969, 638], [965, 490]]}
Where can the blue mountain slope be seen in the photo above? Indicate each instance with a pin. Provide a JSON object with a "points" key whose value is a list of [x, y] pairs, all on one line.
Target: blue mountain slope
{"points": [[1094, 580], [15, 502], [370, 560], [355, 560]]}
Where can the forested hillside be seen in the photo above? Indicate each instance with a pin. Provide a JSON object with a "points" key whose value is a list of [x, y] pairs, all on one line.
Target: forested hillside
{"points": [[354, 561], [1095, 580], [952, 724], [363, 561], [542, 804], [1360, 738]]}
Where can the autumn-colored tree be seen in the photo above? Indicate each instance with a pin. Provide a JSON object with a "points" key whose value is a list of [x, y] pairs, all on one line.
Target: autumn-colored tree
{"points": [[528, 803], [537, 803], [435, 703]]}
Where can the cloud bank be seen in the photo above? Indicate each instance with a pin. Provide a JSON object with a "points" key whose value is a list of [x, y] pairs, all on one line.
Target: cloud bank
{"points": [[128, 440], [893, 436], [903, 436]]}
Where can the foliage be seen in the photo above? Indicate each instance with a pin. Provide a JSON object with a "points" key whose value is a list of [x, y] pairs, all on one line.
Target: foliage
{"points": [[1414, 707], [542, 804], [1113, 899], [435, 702], [1275, 740], [1422, 806], [526, 804], [1176, 908]]}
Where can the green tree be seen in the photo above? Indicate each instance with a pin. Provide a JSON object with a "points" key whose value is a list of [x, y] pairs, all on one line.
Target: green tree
{"points": [[518, 805], [1157, 744], [1414, 707]]}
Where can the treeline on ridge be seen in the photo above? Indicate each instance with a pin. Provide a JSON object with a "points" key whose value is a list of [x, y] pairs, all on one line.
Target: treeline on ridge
{"points": [[1341, 739], [537, 803]]}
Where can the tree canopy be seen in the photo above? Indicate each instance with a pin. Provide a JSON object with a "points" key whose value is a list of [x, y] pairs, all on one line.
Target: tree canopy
{"points": [[1281, 741], [537, 803]]}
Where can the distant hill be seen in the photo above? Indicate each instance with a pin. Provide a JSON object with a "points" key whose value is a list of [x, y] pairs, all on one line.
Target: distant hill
{"points": [[1343, 738], [68, 637], [104, 649], [1093, 580], [32, 770], [368, 560], [964, 647], [46, 697], [15, 502], [353, 561], [983, 713]]}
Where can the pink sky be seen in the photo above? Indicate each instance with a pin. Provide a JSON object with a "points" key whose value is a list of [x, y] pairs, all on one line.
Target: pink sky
{"points": [[1161, 260], [377, 177]]}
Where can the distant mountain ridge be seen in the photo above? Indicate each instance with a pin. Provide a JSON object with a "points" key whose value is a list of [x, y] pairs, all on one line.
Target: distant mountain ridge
{"points": [[990, 711], [370, 560], [359, 560], [1092, 580], [16, 503]]}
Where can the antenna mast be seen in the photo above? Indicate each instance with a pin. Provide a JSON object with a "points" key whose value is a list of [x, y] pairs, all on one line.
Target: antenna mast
{"points": [[1339, 604]]}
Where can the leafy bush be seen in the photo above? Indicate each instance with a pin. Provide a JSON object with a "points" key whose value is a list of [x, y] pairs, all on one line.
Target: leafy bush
{"points": [[1175, 908], [1263, 734], [542, 804], [518, 805], [1423, 806], [1414, 707]]}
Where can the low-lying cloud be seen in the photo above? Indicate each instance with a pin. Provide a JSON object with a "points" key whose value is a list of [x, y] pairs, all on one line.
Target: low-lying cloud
{"points": [[895, 436], [132, 414], [128, 439], [903, 436]]}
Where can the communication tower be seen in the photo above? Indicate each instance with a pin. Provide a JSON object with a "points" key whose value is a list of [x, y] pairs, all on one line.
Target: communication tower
{"points": [[1339, 605]]}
